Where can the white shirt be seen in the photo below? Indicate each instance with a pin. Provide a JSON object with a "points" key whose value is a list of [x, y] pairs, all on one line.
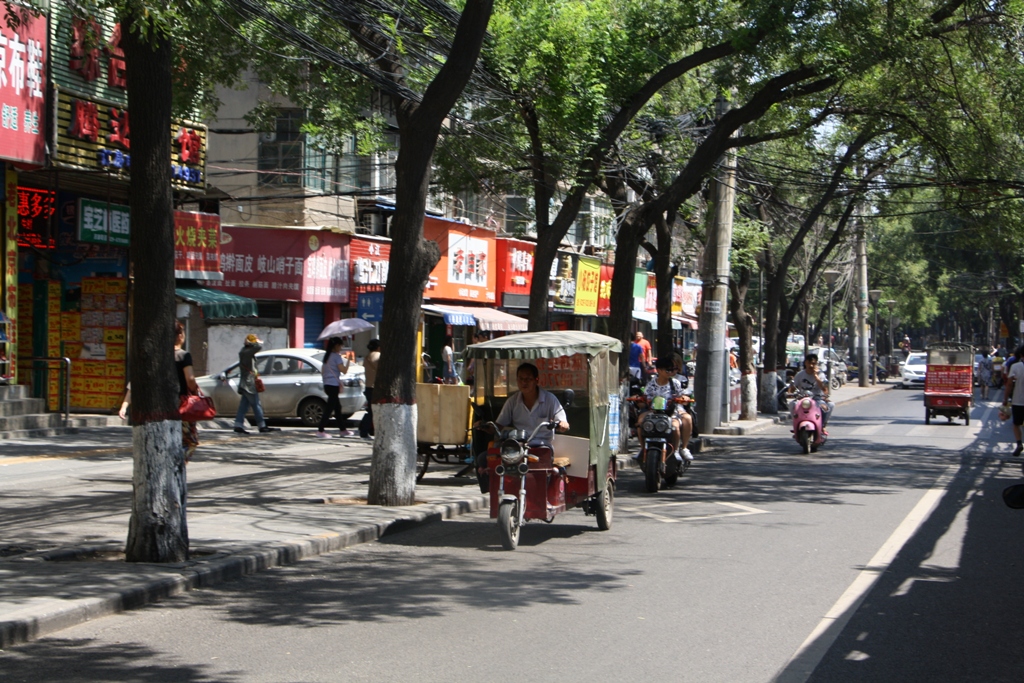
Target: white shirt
{"points": [[547, 408], [333, 368], [805, 380], [1017, 372]]}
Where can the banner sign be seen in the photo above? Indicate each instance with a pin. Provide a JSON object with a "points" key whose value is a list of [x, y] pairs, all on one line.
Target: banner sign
{"points": [[562, 287], [588, 285], [23, 87], [10, 303], [604, 297], [197, 246], [515, 266], [466, 271], [103, 223]]}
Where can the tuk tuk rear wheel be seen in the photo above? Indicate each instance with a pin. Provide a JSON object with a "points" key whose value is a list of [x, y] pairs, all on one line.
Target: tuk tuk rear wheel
{"points": [[508, 524], [605, 501], [967, 417], [927, 416]]}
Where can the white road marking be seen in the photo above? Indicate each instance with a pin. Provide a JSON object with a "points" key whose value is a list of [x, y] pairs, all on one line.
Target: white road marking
{"points": [[803, 662], [869, 430], [643, 511]]}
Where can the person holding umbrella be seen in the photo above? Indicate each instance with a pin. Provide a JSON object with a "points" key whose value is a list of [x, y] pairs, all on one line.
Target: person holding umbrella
{"points": [[335, 365]]}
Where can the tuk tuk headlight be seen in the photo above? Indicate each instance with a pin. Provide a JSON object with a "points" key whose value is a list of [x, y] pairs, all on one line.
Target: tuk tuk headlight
{"points": [[511, 452]]}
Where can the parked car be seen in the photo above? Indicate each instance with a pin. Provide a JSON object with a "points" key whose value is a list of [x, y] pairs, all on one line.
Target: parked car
{"points": [[294, 387], [912, 370]]}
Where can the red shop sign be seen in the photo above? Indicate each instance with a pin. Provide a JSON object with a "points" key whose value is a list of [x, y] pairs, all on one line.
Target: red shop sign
{"points": [[284, 264], [515, 266], [604, 295], [23, 87], [370, 263], [196, 245]]}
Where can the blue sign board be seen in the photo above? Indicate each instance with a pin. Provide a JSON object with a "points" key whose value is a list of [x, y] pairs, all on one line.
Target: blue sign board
{"points": [[370, 307]]}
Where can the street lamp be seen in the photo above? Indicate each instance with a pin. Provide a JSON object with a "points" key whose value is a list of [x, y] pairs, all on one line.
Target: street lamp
{"points": [[891, 303], [874, 295], [831, 277]]}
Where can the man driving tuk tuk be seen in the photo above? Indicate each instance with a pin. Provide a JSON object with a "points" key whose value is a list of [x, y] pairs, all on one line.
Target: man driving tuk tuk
{"points": [[529, 407]]}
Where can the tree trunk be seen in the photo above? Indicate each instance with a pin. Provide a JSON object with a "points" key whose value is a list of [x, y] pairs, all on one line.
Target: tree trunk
{"points": [[744, 323], [626, 249], [157, 530], [393, 467], [663, 280]]}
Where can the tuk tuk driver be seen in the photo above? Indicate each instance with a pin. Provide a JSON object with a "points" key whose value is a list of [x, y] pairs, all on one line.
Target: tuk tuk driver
{"points": [[529, 407], [811, 380]]}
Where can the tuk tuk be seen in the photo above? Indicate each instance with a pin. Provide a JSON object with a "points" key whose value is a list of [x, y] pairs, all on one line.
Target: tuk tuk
{"points": [[529, 482], [949, 381]]}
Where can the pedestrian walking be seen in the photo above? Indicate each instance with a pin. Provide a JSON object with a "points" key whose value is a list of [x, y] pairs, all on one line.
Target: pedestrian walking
{"points": [[448, 361], [248, 378], [1013, 396], [335, 365], [370, 364], [186, 386], [985, 373]]}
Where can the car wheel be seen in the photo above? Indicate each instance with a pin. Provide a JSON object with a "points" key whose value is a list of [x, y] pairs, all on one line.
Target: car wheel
{"points": [[311, 411]]}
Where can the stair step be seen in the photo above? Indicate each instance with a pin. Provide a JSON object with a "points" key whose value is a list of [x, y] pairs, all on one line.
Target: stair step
{"points": [[22, 406], [13, 391], [17, 423], [36, 433]]}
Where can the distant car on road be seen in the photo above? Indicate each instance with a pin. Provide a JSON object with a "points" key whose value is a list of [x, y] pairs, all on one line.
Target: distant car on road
{"points": [[912, 371], [294, 387]]}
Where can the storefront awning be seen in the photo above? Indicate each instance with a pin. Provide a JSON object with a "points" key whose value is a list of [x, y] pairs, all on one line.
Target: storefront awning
{"points": [[214, 303], [686, 319], [652, 318], [487, 319]]}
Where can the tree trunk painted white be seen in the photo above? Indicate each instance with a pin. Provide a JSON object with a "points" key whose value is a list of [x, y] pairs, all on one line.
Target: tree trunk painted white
{"points": [[769, 381], [158, 527], [393, 469], [748, 387]]}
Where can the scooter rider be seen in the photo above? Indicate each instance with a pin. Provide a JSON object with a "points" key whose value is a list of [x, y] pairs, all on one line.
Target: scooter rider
{"points": [[529, 407], [812, 380], [665, 384]]}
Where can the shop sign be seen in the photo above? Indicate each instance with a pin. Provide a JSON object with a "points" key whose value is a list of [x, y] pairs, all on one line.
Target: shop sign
{"points": [[466, 270], [95, 135], [35, 208], [86, 52], [284, 264], [515, 259], [370, 261], [604, 297], [639, 289], [103, 223], [197, 245], [562, 287], [22, 87], [651, 298], [588, 285], [692, 291], [10, 305]]}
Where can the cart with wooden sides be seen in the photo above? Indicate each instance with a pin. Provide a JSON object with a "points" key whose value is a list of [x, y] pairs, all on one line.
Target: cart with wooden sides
{"points": [[949, 381], [443, 427]]}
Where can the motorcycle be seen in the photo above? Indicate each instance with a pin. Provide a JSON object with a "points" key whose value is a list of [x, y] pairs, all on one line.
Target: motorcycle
{"points": [[656, 444], [807, 422], [637, 404], [881, 374]]}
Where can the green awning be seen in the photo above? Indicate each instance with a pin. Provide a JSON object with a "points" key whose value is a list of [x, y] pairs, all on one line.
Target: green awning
{"points": [[216, 304]]}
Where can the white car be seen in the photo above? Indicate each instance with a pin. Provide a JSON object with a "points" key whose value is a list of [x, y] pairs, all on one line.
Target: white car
{"points": [[912, 370], [294, 387]]}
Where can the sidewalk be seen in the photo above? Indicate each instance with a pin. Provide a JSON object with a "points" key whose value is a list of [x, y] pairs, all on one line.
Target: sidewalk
{"points": [[254, 502], [845, 394]]}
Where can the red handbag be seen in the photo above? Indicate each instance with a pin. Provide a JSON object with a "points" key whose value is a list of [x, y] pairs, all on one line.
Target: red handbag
{"points": [[259, 386], [196, 408]]}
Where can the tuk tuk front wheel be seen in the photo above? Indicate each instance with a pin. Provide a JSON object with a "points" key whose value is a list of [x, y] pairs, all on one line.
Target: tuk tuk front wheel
{"points": [[508, 524], [605, 501], [927, 416]]}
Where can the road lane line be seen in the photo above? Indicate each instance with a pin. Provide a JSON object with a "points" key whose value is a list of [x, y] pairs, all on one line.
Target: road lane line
{"points": [[807, 657]]}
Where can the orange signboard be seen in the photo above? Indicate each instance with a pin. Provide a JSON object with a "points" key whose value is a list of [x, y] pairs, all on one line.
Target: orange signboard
{"points": [[467, 270]]}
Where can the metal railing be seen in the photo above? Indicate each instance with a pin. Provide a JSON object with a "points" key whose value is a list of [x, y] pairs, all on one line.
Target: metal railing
{"points": [[65, 369]]}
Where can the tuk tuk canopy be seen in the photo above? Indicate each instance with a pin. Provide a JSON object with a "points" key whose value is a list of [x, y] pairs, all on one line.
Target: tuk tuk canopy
{"points": [[544, 345]]}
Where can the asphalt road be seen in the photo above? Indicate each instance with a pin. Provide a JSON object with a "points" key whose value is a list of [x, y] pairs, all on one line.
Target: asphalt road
{"points": [[887, 556]]}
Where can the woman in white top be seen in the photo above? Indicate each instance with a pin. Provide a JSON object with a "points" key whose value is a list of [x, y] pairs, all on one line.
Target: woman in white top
{"points": [[333, 368], [448, 360]]}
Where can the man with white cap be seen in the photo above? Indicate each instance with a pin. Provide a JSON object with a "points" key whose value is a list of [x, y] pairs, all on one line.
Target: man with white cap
{"points": [[247, 387]]}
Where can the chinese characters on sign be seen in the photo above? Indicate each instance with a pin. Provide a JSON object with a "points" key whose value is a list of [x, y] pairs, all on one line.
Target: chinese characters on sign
{"points": [[588, 285], [34, 209], [467, 260], [197, 245], [11, 271], [22, 73], [102, 223]]}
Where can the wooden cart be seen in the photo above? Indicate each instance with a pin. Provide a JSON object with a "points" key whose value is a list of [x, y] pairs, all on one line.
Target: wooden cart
{"points": [[443, 427]]}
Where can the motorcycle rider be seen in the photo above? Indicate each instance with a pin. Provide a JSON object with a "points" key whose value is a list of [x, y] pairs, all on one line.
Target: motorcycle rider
{"points": [[666, 385], [529, 407], [812, 380]]}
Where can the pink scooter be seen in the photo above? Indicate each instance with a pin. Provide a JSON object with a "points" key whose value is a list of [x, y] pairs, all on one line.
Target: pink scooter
{"points": [[807, 417]]}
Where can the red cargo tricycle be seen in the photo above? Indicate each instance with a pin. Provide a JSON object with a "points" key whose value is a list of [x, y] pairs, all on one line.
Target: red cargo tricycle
{"points": [[949, 381]]}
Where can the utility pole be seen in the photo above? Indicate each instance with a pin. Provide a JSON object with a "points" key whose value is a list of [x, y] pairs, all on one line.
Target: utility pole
{"points": [[711, 376], [862, 305]]}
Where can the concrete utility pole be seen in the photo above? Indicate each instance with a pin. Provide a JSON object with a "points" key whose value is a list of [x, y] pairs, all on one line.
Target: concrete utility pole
{"points": [[711, 387], [862, 305]]}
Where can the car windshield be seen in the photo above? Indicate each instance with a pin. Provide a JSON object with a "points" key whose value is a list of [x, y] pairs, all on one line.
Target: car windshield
{"points": [[916, 360]]}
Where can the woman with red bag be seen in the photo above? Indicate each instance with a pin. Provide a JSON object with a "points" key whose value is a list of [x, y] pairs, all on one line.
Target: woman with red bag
{"points": [[186, 386]]}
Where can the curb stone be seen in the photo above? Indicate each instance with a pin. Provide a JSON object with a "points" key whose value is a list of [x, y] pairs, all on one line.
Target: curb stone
{"points": [[46, 619]]}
